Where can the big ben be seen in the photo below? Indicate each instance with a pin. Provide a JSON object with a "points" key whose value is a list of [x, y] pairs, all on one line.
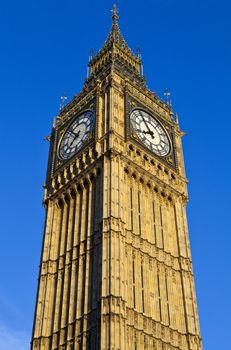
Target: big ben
{"points": [[116, 269]]}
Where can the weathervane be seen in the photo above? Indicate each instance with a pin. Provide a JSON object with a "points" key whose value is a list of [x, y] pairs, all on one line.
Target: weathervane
{"points": [[63, 98], [167, 95]]}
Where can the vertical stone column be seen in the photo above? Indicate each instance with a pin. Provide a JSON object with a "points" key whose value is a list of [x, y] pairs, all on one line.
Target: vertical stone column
{"points": [[60, 282], [95, 231], [74, 269], [51, 272], [105, 331], [182, 253], [194, 322], [82, 269], [67, 267], [40, 304], [88, 252], [78, 257]]}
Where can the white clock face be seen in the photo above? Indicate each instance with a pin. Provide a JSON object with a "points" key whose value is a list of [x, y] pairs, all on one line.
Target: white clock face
{"points": [[76, 135], [150, 132]]}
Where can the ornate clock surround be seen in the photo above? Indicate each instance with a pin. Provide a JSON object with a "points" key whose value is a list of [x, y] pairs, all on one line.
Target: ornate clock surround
{"points": [[87, 115], [133, 104], [61, 129]]}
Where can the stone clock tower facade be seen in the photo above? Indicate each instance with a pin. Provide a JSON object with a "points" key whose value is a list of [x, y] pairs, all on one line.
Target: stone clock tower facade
{"points": [[116, 269]]}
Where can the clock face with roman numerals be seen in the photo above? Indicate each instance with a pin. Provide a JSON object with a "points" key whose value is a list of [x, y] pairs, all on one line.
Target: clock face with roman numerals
{"points": [[150, 132], [76, 135]]}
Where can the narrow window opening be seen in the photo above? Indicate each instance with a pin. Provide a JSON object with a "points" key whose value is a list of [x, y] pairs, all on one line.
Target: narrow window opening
{"points": [[167, 300], [133, 283], [142, 287], [161, 227], [131, 209], [154, 221], [159, 298], [139, 216]]}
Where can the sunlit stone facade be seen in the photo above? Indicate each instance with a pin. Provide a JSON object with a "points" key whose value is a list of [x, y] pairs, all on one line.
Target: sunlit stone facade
{"points": [[116, 269]]}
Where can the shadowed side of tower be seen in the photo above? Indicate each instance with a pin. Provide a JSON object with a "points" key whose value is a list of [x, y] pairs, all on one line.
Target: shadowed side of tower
{"points": [[116, 269]]}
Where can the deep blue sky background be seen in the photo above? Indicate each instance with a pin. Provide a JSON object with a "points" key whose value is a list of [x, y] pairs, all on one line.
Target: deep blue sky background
{"points": [[44, 52]]}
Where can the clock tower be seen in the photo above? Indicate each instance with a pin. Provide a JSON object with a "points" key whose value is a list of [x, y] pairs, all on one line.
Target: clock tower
{"points": [[116, 269]]}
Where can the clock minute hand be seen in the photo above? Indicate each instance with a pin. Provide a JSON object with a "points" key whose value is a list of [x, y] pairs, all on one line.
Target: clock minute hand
{"points": [[149, 131], [146, 124]]}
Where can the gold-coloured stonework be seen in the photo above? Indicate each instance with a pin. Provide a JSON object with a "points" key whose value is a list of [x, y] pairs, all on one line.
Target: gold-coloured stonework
{"points": [[116, 268]]}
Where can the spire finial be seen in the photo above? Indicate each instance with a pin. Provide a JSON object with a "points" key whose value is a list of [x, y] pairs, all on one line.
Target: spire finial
{"points": [[115, 14]]}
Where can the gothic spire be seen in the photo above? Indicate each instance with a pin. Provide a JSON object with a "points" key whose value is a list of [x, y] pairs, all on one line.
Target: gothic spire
{"points": [[115, 17], [115, 35], [115, 48]]}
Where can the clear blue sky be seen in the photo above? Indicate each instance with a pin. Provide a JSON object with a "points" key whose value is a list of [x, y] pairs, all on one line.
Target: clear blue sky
{"points": [[44, 52]]}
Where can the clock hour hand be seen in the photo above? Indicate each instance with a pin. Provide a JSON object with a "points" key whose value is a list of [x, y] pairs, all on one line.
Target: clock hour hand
{"points": [[149, 132], [75, 137], [146, 132]]}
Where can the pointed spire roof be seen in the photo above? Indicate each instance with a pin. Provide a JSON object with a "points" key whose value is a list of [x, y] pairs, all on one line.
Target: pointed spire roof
{"points": [[115, 38], [115, 35]]}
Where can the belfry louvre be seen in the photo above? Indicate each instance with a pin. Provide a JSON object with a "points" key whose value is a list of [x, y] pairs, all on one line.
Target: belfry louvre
{"points": [[116, 269]]}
